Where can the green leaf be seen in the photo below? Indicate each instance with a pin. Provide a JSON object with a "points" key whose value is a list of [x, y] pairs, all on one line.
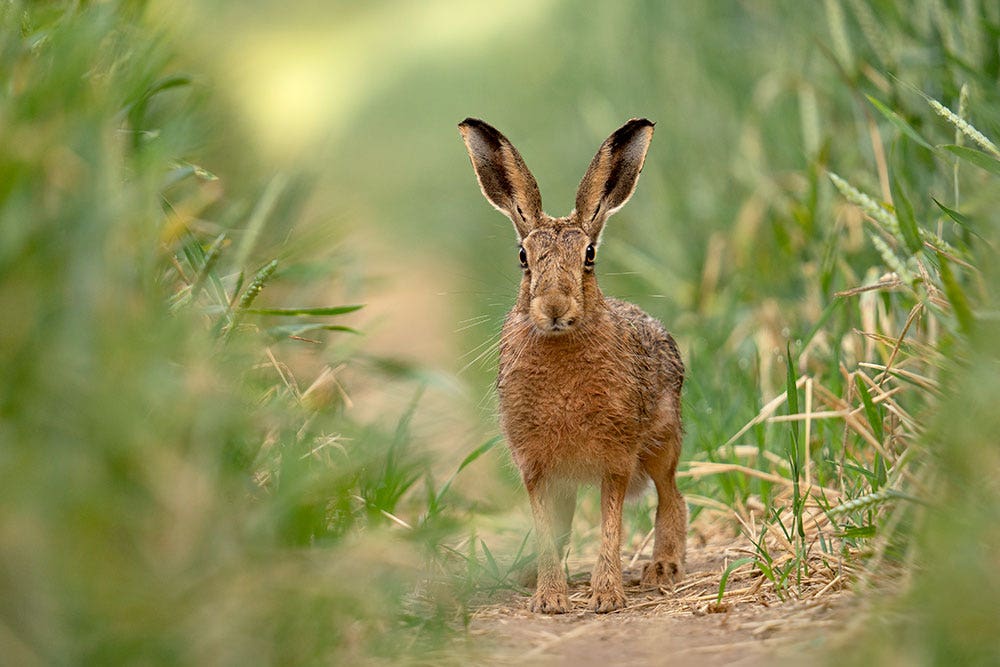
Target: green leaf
{"points": [[739, 562], [522, 560], [899, 122], [824, 317], [288, 330], [963, 220], [137, 109], [475, 454], [479, 451], [867, 474], [258, 217], [314, 312], [793, 405], [978, 158], [904, 213], [956, 296], [858, 532], [793, 392], [881, 473], [494, 568], [766, 569], [794, 448], [871, 410], [211, 258], [167, 83]]}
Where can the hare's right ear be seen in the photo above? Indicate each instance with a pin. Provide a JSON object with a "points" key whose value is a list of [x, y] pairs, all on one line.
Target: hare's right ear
{"points": [[502, 174], [613, 175]]}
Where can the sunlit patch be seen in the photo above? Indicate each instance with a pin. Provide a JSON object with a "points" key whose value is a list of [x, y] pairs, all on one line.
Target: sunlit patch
{"points": [[302, 79]]}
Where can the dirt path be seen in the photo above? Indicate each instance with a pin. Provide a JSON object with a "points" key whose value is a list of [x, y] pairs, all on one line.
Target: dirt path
{"points": [[751, 627]]}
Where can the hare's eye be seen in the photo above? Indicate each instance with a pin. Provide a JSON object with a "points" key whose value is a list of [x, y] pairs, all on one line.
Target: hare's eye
{"points": [[523, 256], [588, 259]]}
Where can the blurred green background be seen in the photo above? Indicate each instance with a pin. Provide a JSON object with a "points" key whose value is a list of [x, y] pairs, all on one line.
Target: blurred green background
{"points": [[190, 474]]}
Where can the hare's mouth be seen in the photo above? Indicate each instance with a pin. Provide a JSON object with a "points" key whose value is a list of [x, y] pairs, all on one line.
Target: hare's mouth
{"points": [[558, 326], [554, 314]]}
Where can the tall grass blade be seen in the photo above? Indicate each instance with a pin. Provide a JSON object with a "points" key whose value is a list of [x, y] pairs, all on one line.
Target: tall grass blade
{"points": [[296, 330], [795, 447], [871, 410], [472, 456], [295, 312], [838, 35], [494, 569], [962, 219], [211, 259], [736, 564], [258, 218], [956, 296], [824, 318], [907, 221], [978, 158], [136, 111], [899, 122]]}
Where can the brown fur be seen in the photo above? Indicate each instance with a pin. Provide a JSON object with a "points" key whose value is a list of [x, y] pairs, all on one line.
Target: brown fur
{"points": [[589, 386]]}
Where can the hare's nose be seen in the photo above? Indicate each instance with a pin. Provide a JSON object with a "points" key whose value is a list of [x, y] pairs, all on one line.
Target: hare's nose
{"points": [[554, 312], [555, 308]]}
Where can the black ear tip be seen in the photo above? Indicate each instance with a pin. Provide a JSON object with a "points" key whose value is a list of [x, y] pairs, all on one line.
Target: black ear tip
{"points": [[483, 133], [474, 122], [629, 131]]}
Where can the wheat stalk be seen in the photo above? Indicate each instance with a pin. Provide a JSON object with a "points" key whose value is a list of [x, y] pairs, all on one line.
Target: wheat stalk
{"points": [[875, 210], [964, 127]]}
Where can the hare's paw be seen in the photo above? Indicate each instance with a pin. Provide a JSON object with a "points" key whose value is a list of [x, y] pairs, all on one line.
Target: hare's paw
{"points": [[549, 602], [611, 599], [662, 574]]}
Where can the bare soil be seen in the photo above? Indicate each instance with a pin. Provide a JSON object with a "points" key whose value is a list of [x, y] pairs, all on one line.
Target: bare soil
{"points": [[751, 626]]}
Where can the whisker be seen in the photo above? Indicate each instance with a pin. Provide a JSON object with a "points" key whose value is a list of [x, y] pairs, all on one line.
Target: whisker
{"points": [[479, 357], [472, 322]]}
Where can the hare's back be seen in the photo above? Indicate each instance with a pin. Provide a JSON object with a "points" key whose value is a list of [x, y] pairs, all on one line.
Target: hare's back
{"points": [[657, 353]]}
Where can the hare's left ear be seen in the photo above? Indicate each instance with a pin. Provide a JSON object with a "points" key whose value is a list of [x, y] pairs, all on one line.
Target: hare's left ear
{"points": [[613, 174], [503, 177]]}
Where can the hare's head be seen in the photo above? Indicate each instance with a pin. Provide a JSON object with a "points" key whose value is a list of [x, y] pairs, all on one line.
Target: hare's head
{"points": [[557, 254]]}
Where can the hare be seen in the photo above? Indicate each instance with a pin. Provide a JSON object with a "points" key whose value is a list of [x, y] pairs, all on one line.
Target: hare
{"points": [[589, 386]]}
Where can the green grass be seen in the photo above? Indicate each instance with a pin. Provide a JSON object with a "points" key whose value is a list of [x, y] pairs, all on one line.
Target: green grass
{"points": [[183, 478], [172, 490]]}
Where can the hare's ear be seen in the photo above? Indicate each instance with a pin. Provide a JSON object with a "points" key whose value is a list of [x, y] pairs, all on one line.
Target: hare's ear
{"points": [[613, 174], [502, 174]]}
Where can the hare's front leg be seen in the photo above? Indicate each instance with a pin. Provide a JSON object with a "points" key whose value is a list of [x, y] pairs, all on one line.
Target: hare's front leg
{"points": [[608, 593], [564, 506], [551, 591]]}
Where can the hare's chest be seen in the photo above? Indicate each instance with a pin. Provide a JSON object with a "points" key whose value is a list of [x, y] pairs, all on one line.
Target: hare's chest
{"points": [[569, 406]]}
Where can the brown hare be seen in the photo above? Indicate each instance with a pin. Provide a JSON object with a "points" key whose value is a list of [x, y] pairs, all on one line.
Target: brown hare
{"points": [[589, 386]]}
